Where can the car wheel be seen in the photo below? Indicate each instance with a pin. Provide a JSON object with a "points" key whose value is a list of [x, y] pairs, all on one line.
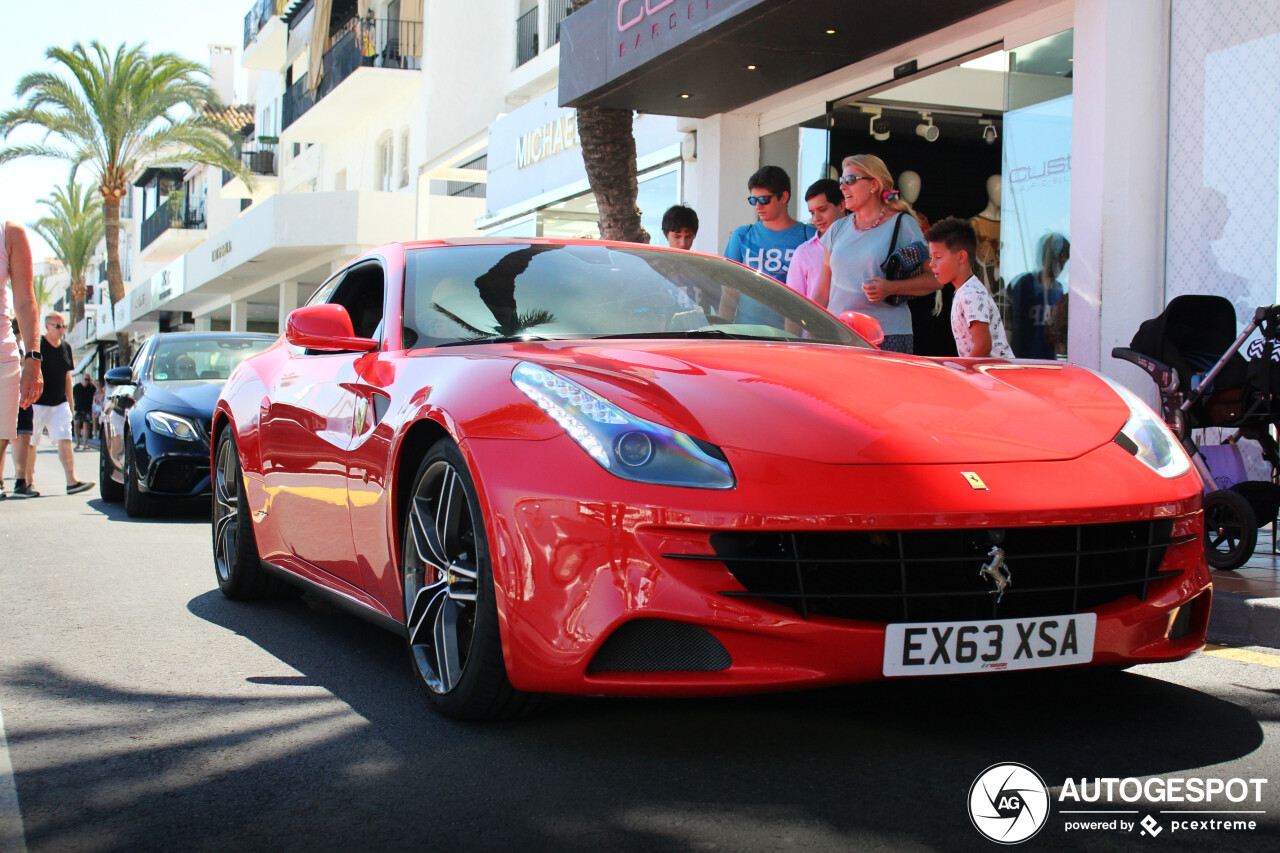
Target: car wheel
{"points": [[110, 491], [235, 549], [1230, 529], [136, 503], [452, 618]]}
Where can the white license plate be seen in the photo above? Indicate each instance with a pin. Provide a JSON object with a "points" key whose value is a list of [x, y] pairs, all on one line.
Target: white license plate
{"points": [[936, 648]]}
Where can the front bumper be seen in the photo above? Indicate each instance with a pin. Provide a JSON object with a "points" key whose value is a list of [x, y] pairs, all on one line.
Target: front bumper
{"points": [[570, 572]]}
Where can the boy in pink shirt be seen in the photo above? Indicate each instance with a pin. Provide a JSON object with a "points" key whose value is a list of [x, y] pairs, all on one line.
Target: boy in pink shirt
{"points": [[826, 205]]}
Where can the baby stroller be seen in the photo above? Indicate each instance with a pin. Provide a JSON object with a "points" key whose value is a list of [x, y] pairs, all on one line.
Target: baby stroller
{"points": [[1193, 353]]}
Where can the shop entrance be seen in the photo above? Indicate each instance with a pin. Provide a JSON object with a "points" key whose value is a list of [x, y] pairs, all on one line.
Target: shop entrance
{"points": [[985, 137]]}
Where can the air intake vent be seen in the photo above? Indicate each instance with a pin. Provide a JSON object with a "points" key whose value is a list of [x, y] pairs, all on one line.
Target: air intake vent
{"points": [[657, 645]]}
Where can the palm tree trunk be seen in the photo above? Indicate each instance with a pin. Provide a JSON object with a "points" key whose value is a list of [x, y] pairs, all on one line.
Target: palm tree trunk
{"points": [[609, 153], [77, 301], [115, 278]]}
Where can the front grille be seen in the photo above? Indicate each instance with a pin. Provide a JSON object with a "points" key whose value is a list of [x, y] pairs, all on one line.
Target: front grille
{"points": [[177, 476], [934, 575]]}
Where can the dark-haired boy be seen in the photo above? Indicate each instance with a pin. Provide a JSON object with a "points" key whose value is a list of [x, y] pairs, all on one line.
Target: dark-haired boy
{"points": [[826, 205], [766, 245], [975, 319], [680, 226]]}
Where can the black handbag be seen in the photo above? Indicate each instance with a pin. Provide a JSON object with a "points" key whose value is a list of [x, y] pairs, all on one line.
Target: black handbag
{"points": [[904, 262]]}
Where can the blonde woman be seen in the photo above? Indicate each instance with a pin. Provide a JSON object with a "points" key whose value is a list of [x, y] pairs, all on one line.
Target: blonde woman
{"points": [[856, 246]]}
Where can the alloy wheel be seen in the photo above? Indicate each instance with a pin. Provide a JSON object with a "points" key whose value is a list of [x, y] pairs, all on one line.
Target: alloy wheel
{"points": [[226, 506], [441, 576]]}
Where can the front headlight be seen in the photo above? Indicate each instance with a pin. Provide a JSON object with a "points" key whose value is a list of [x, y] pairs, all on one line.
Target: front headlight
{"points": [[177, 426], [624, 445], [1147, 437]]}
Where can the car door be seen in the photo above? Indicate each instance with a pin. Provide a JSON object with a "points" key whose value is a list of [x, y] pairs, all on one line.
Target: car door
{"points": [[307, 431]]}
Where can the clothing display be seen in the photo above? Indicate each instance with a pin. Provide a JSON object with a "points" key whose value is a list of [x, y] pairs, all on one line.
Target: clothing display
{"points": [[1032, 304], [987, 258]]}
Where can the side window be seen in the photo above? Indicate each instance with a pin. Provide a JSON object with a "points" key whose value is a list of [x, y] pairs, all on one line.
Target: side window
{"points": [[362, 293]]}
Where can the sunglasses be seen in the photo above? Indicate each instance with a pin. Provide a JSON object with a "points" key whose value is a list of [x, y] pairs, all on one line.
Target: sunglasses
{"points": [[57, 325], [753, 200], [850, 180]]}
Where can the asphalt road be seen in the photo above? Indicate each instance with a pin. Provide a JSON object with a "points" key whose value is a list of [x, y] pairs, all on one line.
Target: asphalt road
{"points": [[144, 711]]}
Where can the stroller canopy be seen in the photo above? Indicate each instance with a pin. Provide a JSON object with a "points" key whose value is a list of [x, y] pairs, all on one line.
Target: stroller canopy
{"points": [[1191, 335]]}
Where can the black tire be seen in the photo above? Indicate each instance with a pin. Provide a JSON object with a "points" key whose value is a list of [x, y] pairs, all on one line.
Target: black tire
{"points": [[109, 490], [136, 503], [236, 563], [451, 617], [1230, 530]]}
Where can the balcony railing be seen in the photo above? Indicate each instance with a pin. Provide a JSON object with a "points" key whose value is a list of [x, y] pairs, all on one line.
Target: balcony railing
{"points": [[367, 43], [164, 219], [527, 36], [556, 12], [258, 157], [262, 12]]}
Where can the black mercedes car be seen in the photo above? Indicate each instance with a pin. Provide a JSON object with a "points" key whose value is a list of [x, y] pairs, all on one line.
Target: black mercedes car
{"points": [[155, 438]]}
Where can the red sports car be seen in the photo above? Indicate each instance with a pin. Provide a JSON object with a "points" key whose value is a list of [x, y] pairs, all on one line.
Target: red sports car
{"points": [[595, 468]]}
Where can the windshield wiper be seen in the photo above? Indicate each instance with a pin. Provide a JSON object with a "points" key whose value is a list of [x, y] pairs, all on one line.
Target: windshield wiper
{"points": [[498, 339], [692, 333]]}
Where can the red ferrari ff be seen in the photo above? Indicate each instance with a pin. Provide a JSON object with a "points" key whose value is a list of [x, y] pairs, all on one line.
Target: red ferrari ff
{"points": [[599, 468]]}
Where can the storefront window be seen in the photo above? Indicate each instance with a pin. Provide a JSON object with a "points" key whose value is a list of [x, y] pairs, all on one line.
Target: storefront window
{"points": [[985, 137], [1224, 191], [1034, 197]]}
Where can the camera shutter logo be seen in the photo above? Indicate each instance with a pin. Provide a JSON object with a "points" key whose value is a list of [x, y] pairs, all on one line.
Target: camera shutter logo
{"points": [[1008, 803]]}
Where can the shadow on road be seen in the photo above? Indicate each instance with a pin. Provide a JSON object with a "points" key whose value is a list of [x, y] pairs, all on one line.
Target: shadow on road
{"points": [[170, 511], [370, 767]]}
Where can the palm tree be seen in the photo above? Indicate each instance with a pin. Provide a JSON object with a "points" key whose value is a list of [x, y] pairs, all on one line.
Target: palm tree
{"points": [[73, 228], [118, 114], [43, 294], [609, 153]]}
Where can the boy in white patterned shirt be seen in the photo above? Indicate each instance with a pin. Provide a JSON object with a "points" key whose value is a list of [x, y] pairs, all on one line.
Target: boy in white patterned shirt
{"points": [[975, 319]]}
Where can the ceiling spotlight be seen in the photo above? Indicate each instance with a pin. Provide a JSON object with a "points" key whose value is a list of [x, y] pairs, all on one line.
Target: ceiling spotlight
{"points": [[685, 95], [831, 32], [927, 130], [751, 68], [988, 131], [879, 128]]}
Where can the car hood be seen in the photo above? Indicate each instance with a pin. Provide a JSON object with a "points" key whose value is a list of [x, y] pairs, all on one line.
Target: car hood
{"points": [[841, 405], [195, 395]]}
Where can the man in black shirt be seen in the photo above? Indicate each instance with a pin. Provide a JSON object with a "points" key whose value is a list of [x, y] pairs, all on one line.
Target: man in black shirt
{"points": [[83, 398], [52, 410]]}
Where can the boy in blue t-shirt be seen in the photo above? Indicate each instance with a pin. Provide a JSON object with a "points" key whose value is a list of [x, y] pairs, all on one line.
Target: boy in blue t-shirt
{"points": [[765, 246]]}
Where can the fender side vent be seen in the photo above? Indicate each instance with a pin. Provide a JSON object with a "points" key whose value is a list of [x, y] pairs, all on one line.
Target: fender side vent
{"points": [[658, 645]]}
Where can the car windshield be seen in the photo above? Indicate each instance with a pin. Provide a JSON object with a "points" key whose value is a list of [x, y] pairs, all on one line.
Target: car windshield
{"points": [[484, 293], [183, 359]]}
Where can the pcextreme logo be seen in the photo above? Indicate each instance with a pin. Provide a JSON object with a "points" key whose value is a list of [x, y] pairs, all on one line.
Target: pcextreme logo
{"points": [[1009, 803]]}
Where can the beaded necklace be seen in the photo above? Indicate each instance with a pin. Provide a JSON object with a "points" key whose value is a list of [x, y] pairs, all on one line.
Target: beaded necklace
{"points": [[884, 210]]}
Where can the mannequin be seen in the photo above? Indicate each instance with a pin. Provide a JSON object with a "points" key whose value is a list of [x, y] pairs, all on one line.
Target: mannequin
{"points": [[987, 226], [909, 187]]}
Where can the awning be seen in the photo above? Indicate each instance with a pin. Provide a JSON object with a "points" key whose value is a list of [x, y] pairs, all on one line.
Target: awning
{"points": [[88, 358], [723, 54]]}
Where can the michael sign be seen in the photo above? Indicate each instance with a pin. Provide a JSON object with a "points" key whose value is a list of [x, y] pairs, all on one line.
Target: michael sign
{"points": [[547, 140]]}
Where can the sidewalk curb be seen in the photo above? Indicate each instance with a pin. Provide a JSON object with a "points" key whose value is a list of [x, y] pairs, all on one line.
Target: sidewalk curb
{"points": [[1245, 619]]}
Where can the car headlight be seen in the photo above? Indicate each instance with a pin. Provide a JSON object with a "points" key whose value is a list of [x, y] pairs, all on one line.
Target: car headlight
{"points": [[177, 426], [1147, 437], [627, 446]]}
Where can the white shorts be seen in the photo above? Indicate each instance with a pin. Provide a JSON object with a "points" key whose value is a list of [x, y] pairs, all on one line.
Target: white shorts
{"points": [[10, 384], [56, 418]]}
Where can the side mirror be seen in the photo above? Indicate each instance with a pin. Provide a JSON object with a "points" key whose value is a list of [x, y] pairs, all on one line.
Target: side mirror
{"points": [[119, 376], [326, 328], [865, 325]]}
